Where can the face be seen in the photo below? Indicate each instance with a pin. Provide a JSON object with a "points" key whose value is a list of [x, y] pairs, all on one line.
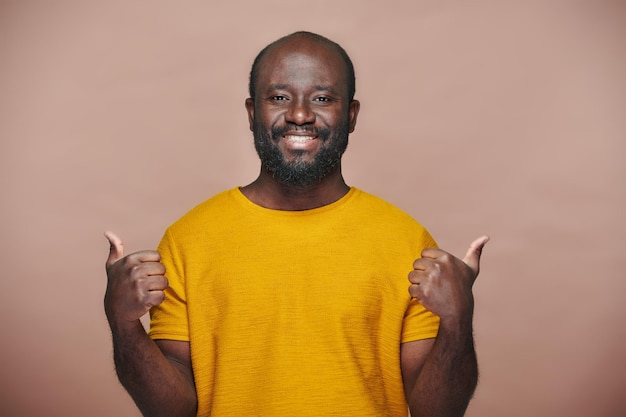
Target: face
{"points": [[301, 115]]}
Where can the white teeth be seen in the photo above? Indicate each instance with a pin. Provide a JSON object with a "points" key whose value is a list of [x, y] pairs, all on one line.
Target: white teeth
{"points": [[294, 138]]}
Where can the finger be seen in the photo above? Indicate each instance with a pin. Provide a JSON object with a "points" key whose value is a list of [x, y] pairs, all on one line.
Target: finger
{"points": [[140, 270], [154, 298], [415, 291], [472, 257], [432, 253], [155, 268], [116, 250], [422, 264], [147, 256], [157, 283], [415, 277]]}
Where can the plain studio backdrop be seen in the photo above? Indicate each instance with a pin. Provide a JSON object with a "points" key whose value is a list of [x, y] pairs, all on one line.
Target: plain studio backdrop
{"points": [[497, 117]]}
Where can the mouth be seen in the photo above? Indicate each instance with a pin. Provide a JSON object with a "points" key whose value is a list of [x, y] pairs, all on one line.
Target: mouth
{"points": [[300, 142], [298, 138]]}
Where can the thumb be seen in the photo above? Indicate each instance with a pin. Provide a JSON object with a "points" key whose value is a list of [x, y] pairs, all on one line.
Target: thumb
{"points": [[116, 251], [472, 257]]}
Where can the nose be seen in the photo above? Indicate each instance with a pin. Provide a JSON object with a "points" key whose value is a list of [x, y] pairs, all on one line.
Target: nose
{"points": [[299, 113]]}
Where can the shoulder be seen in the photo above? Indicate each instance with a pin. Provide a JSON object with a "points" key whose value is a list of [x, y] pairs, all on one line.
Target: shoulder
{"points": [[376, 211], [208, 211], [375, 205]]}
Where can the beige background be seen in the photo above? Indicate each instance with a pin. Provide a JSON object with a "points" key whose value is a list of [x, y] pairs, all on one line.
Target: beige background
{"points": [[497, 117]]}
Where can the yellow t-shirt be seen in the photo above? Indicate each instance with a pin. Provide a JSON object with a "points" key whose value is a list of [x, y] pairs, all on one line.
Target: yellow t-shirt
{"points": [[294, 313]]}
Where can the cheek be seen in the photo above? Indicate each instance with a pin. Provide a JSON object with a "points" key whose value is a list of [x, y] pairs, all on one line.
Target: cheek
{"points": [[262, 122], [271, 114], [331, 119]]}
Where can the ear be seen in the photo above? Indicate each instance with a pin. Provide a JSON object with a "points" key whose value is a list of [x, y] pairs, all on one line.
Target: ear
{"points": [[353, 112], [250, 110]]}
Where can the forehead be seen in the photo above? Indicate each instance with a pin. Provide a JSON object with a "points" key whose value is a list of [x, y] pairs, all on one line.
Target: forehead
{"points": [[301, 62]]}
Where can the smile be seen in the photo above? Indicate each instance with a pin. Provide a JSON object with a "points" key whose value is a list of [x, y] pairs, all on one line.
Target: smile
{"points": [[299, 139]]}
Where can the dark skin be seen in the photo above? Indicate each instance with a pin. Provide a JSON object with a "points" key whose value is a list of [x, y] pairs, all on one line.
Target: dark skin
{"points": [[439, 380], [157, 374], [301, 82]]}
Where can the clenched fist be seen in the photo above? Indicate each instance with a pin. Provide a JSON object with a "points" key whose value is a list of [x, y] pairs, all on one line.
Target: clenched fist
{"points": [[135, 282], [443, 283]]}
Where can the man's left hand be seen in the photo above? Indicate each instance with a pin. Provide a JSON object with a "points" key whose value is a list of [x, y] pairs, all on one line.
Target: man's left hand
{"points": [[443, 283]]}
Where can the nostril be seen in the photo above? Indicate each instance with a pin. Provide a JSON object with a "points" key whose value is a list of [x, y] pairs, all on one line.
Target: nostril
{"points": [[299, 114]]}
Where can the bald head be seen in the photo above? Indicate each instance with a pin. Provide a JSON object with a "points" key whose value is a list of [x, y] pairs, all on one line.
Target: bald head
{"points": [[299, 40]]}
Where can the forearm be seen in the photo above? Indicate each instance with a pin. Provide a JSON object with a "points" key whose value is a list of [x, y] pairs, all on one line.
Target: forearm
{"points": [[449, 376], [155, 384]]}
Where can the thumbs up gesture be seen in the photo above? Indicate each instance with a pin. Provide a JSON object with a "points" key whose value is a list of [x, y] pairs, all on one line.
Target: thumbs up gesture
{"points": [[135, 283], [443, 283]]}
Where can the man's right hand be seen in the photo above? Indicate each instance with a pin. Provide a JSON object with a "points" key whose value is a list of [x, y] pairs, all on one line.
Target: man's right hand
{"points": [[135, 283]]}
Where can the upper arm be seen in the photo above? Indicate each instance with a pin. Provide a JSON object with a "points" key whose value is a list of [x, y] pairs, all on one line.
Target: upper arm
{"points": [[412, 358], [179, 354]]}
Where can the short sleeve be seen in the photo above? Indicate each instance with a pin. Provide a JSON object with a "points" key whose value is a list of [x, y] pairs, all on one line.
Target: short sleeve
{"points": [[419, 323], [169, 319]]}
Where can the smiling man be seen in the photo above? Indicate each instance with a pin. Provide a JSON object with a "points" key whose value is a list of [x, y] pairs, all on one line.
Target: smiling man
{"points": [[289, 296]]}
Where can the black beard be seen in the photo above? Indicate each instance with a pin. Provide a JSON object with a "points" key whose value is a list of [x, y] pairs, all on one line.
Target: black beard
{"points": [[300, 172]]}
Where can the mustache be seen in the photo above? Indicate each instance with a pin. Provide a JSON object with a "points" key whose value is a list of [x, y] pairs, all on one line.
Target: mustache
{"points": [[320, 132]]}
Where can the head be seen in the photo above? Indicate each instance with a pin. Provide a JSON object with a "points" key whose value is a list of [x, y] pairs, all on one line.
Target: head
{"points": [[349, 67], [301, 107]]}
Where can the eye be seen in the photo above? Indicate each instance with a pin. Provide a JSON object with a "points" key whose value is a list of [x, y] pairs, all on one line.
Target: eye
{"points": [[323, 99], [278, 98]]}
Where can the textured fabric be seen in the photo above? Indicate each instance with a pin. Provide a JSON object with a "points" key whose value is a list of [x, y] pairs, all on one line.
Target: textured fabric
{"points": [[294, 313]]}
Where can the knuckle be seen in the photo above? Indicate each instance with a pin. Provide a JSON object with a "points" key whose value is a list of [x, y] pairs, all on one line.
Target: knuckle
{"points": [[137, 285], [136, 271], [126, 260], [431, 276]]}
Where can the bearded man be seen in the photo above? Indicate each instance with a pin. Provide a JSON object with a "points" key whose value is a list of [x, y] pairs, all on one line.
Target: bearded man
{"points": [[289, 296]]}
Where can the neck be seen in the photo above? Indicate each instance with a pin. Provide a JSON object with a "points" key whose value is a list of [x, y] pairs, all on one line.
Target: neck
{"points": [[269, 193]]}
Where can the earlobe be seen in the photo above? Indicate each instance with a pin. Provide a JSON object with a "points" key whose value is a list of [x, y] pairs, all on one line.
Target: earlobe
{"points": [[250, 110], [353, 112]]}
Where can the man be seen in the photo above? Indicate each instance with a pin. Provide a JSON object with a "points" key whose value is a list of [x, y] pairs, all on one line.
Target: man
{"points": [[289, 296]]}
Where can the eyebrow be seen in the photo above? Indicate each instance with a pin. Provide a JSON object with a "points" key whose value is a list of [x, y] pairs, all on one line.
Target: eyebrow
{"points": [[286, 86], [324, 88], [278, 87]]}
